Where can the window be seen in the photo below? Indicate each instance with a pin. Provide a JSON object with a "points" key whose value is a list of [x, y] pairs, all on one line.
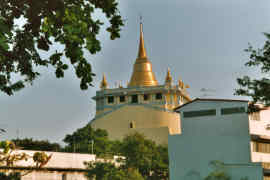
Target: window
{"points": [[134, 99], [234, 110], [64, 176], [210, 112], [110, 99], [261, 147], [255, 116], [131, 125], [158, 96], [146, 97], [122, 98]]}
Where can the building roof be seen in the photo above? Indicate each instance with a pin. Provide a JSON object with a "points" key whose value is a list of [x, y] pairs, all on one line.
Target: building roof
{"points": [[207, 99]]}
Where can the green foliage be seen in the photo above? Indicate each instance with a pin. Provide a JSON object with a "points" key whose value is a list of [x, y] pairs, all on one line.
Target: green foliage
{"points": [[143, 154], [81, 141], [11, 176], [38, 145], [108, 171], [8, 157], [143, 160], [66, 22], [257, 89]]}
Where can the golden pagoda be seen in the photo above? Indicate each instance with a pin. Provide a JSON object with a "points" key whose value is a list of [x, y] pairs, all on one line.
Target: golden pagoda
{"points": [[142, 69], [142, 106]]}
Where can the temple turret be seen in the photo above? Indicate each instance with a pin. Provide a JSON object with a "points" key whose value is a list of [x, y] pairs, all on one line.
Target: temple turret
{"points": [[168, 80], [104, 83]]}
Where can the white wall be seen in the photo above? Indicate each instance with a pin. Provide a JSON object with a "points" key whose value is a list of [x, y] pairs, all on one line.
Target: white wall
{"points": [[61, 161], [206, 138]]}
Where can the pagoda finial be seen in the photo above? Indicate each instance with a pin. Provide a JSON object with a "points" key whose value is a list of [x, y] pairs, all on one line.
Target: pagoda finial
{"points": [[103, 84], [142, 51], [168, 80]]}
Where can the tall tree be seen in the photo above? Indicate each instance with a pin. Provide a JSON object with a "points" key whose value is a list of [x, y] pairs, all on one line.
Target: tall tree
{"points": [[66, 22], [81, 141], [257, 89], [143, 154]]}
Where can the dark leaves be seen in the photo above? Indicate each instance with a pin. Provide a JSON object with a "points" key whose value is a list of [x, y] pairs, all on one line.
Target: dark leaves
{"points": [[257, 89], [66, 22]]}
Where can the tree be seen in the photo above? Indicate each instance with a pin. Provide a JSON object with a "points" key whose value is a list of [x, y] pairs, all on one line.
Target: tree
{"points": [[81, 141], [39, 145], [143, 154], [257, 89], [65, 22], [108, 171], [9, 157], [143, 159], [11, 176]]}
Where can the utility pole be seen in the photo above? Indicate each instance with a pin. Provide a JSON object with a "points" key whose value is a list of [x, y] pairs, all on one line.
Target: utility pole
{"points": [[92, 142]]}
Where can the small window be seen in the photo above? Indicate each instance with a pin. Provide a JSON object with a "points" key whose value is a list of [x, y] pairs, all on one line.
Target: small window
{"points": [[64, 176], [146, 97], [110, 99], [255, 116], [158, 96], [131, 125], [122, 98], [134, 99], [210, 112], [234, 110]]}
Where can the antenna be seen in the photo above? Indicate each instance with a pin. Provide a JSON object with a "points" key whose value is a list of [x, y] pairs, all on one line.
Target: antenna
{"points": [[17, 132], [207, 92]]}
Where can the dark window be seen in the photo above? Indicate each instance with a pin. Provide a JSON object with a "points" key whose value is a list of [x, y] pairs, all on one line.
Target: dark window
{"points": [[110, 99], [158, 96], [134, 99], [210, 112], [64, 176], [131, 125], [225, 111], [122, 98], [146, 97]]}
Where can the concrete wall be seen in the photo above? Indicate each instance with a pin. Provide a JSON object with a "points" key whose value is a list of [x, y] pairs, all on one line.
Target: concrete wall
{"points": [[206, 138], [153, 123], [70, 165], [54, 175], [252, 171], [60, 159]]}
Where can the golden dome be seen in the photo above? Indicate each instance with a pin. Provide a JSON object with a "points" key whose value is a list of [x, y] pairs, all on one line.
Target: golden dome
{"points": [[142, 70], [103, 84]]}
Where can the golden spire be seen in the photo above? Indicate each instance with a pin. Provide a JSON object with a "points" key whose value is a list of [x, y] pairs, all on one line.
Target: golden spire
{"points": [[103, 84], [142, 70], [168, 80], [142, 51]]}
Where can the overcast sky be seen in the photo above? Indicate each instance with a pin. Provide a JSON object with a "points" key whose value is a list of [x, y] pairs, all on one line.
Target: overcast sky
{"points": [[202, 42]]}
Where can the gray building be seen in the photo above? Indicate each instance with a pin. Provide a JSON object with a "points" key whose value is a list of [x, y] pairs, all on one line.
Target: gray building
{"points": [[213, 130]]}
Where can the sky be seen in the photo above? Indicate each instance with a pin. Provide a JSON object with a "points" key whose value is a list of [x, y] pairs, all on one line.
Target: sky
{"points": [[202, 42]]}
